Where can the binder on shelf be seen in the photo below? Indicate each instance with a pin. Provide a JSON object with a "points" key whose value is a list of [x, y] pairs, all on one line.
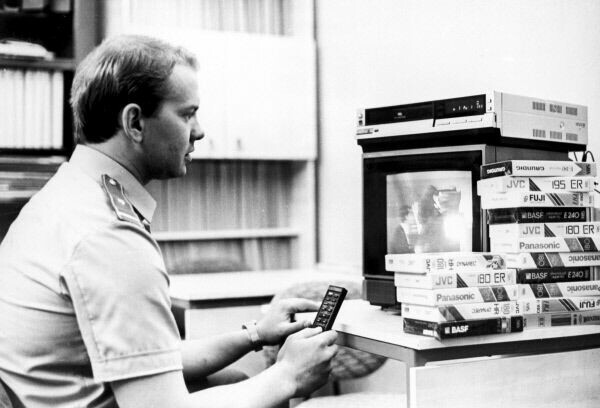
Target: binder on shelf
{"points": [[6, 85], [31, 113], [57, 95], [29, 104], [19, 127]]}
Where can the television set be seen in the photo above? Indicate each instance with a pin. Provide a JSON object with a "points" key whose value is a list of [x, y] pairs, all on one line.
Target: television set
{"points": [[424, 199]]}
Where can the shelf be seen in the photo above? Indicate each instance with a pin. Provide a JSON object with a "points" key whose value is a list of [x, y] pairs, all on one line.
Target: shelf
{"points": [[55, 160], [29, 15], [26, 154], [57, 64], [212, 235], [16, 196], [52, 30]]}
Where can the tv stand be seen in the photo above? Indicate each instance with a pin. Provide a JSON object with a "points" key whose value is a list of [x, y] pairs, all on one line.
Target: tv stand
{"points": [[539, 367]]}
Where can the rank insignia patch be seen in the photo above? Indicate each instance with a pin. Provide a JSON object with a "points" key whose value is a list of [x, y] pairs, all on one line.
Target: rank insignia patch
{"points": [[118, 201]]}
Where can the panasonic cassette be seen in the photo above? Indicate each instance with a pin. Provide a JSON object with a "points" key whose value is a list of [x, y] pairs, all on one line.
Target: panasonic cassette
{"points": [[546, 244], [530, 260], [437, 297]]}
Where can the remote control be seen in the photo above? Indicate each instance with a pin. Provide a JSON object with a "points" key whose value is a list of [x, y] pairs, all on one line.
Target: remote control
{"points": [[330, 307]]}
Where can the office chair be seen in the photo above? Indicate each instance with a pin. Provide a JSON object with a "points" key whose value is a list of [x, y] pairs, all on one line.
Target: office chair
{"points": [[347, 364]]}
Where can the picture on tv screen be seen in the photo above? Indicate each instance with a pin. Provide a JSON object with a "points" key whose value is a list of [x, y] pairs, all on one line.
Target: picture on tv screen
{"points": [[429, 211]]}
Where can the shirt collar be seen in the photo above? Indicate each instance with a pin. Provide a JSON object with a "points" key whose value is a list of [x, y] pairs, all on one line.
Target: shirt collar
{"points": [[95, 164]]}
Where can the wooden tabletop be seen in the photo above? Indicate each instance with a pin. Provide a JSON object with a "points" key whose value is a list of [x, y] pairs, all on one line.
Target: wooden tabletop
{"points": [[359, 318], [250, 284]]}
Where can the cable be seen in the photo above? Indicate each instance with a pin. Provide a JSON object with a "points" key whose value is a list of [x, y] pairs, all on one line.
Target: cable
{"points": [[575, 156], [585, 155]]}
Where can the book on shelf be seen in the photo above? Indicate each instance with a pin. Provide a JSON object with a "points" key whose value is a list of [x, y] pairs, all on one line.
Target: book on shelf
{"points": [[32, 109], [16, 195], [537, 168], [20, 180], [464, 328], [21, 177], [30, 164], [18, 49]]}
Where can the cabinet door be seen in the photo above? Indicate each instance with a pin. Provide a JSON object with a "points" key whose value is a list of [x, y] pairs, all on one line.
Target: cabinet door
{"points": [[271, 97], [257, 93], [212, 114]]}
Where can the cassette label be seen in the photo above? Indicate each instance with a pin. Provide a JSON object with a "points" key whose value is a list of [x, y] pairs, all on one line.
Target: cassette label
{"points": [[536, 215], [525, 260], [546, 244], [536, 168], [443, 280], [506, 232], [552, 275]]}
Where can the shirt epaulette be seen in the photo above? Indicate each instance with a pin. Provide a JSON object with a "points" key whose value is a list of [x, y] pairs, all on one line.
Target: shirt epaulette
{"points": [[118, 201]]}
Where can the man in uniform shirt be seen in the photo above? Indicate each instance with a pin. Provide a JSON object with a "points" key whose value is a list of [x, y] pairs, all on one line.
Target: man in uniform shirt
{"points": [[84, 308]]}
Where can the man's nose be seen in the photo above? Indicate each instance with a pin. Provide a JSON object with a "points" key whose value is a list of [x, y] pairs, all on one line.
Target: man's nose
{"points": [[197, 132]]}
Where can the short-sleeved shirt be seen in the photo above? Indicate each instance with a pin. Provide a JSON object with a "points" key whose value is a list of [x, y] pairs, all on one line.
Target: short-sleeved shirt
{"points": [[83, 292]]}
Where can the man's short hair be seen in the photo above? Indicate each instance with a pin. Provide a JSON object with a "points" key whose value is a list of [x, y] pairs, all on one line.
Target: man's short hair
{"points": [[123, 69]]}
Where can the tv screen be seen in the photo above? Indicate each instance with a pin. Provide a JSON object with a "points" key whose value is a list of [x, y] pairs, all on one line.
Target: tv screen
{"points": [[429, 211]]}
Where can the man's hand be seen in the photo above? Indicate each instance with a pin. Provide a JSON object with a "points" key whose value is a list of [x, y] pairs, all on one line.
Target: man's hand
{"points": [[305, 359], [276, 325]]}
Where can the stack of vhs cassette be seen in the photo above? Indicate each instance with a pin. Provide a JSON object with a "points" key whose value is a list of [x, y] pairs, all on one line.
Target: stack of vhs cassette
{"points": [[456, 294], [539, 216]]}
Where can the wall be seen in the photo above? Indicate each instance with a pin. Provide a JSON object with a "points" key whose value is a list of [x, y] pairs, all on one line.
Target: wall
{"points": [[384, 52]]}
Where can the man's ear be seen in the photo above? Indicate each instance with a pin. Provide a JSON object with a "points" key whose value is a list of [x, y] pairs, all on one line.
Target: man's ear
{"points": [[132, 122]]}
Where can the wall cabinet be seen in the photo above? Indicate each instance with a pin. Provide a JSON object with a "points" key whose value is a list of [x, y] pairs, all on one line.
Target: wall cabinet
{"points": [[257, 93]]}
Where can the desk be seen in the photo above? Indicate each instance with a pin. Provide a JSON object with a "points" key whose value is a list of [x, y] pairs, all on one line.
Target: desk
{"points": [[224, 289], [365, 327], [192, 295], [213, 303]]}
